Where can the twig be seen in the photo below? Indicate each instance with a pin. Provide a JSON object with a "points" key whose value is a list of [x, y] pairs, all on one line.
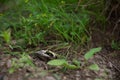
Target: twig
{"points": [[108, 60], [113, 9], [78, 5], [115, 27]]}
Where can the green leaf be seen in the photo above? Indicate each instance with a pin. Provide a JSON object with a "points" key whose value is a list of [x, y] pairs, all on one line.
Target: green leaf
{"points": [[6, 35], [57, 62], [76, 62], [98, 79], [70, 66], [90, 53], [11, 70], [94, 67]]}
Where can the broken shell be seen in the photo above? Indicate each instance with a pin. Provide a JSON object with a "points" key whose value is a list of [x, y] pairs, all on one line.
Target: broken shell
{"points": [[46, 54]]}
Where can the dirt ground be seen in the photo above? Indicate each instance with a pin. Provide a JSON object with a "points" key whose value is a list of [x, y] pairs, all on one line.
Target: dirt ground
{"points": [[107, 59], [109, 69]]}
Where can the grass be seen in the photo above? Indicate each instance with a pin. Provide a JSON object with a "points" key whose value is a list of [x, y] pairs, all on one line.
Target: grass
{"points": [[36, 22], [57, 20]]}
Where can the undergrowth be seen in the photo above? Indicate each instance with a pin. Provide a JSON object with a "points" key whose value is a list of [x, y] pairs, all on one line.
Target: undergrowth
{"points": [[50, 20], [34, 22]]}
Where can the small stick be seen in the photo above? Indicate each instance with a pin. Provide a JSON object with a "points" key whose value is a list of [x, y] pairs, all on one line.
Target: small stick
{"points": [[78, 5], [108, 60], [115, 27]]}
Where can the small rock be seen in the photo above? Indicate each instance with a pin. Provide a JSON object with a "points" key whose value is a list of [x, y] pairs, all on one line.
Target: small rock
{"points": [[49, 78], [88, 79], [9, 64]]}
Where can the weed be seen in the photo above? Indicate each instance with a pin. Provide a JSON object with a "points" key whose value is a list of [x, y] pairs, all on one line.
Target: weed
{"points": [[75, 63], [22, 62], [43, 21], [6, 35], [115, 45], [64, 63]]}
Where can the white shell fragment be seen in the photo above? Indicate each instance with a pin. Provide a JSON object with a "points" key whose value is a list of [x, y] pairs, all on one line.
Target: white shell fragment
{"points": [[46, 54]]}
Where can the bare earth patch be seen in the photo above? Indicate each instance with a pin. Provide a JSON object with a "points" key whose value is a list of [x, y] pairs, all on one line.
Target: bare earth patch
{"points": [[109, 69]]}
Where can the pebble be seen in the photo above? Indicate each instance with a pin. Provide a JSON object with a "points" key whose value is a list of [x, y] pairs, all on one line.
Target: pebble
{"points": [[49, 78]]}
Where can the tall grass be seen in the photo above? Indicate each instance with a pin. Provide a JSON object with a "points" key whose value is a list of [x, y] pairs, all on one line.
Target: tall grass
{"points": [[37, 21]]}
